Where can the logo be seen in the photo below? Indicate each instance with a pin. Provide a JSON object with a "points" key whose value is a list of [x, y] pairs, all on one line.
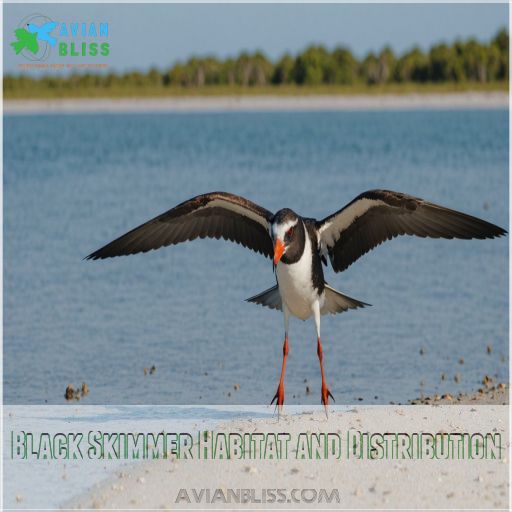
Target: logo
{"points": [[37, 35], [33, 39]]}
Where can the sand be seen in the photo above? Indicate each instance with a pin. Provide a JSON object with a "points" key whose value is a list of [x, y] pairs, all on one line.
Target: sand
{"points": [[463, 100], [419, 484]]}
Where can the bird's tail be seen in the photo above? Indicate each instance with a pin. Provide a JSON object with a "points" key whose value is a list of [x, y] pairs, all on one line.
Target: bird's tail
{"points": [[18, 46], [337, 302], [270, 298]]}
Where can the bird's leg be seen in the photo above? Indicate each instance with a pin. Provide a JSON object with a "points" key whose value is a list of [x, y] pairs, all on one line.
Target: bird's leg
{"points": [[279, 396], [325, 393], [325, 390]]}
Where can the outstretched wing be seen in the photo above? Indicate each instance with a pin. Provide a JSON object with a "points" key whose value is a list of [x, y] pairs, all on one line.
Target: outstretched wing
{"points": [[379, 215], [213, 215]]}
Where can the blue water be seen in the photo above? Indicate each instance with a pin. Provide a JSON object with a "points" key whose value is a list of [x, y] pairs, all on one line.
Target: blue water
{"points": [[73, 183]]}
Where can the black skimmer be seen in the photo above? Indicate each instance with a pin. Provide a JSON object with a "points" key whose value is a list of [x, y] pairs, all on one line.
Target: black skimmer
{"points": [[298, 245]]}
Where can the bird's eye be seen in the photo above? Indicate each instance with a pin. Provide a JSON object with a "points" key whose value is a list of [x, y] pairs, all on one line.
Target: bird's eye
{"points": [[289, 233]]}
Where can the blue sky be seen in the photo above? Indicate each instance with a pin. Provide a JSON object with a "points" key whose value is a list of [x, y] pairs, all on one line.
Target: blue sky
{"points": [[143, 35]]}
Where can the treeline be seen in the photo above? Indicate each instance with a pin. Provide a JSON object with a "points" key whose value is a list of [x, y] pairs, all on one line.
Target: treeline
{"points": [[462, 61]]}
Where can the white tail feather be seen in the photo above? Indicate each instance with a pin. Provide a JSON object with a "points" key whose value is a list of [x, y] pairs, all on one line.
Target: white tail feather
{"points": [[270, 298], [335, 301]]}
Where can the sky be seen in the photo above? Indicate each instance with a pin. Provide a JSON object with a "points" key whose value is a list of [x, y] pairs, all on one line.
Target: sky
{"points": [[145, 35]]}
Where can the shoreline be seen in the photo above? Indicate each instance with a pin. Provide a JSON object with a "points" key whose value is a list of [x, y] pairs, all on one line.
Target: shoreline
{"points": [[124, 481], [488, 394], [321, 103]]}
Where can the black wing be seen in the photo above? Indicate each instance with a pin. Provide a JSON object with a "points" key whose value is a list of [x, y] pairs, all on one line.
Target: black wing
{"points": [[213, 215], [379, 215]]}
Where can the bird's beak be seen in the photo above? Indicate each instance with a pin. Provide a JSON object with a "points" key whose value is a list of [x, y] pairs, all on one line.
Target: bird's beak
{"points": [[278, 251]]}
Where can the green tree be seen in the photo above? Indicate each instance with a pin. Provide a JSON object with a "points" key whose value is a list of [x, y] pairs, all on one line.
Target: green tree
{"points": [[341, 67], [500, 46], [310, 66], [252, 69], [412, 66], [501, 40], [369, 69], [475, 61], [445, 65], [387, 64], [154, 77], [283, 70], [228, 72], [262, 70]]}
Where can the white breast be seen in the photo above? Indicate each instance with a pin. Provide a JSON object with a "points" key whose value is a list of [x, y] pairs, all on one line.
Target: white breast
{"points": [[296, 284]]}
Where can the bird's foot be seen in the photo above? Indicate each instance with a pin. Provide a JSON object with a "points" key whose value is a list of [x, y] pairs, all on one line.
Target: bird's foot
{"points": [[279, 399], [325, 398]]}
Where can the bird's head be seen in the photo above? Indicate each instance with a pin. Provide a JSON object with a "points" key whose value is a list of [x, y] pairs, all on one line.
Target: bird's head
{"points": [[287, 232]]}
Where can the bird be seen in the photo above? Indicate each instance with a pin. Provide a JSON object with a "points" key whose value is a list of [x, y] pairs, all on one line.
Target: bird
{"points": [[299, 246], [43, 31]]}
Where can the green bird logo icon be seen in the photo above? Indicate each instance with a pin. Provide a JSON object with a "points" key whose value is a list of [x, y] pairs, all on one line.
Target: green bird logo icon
{"points": [[26, 40]]}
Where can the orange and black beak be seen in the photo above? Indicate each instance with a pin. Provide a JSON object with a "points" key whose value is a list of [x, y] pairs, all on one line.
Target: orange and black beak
{"points": [[278, 251]]}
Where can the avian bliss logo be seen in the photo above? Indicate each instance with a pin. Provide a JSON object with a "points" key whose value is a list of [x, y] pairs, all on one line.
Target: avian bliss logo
{"points": [[36, 36]]}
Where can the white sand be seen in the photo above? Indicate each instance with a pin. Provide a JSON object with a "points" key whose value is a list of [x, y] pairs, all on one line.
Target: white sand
{"points": [[477, 100], [420, 484]]}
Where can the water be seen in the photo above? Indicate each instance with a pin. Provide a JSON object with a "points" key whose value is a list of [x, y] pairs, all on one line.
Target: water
{"points": [[73, 183]]}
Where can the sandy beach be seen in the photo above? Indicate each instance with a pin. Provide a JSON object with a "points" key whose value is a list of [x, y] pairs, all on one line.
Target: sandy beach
{"points": [[361, 483], [465, 100]]}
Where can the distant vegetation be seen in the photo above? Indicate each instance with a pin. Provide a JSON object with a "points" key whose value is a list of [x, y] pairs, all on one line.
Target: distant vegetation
{"points": [[461, 65]]}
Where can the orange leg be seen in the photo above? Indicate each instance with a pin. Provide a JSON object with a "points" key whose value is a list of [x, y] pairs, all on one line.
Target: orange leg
{"points": [[325, 390], [279, 396]]}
